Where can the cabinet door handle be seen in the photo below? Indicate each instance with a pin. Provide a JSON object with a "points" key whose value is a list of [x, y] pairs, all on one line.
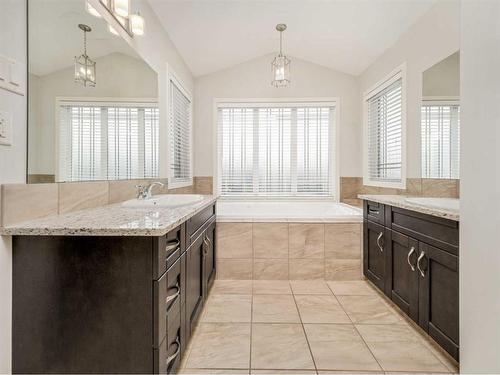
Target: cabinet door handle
{"points": [[378, 241], [422, 254], [209, 242], [205, 251], [371, 211], [412, 250], [177, 351], [172, 245], [176, 294]]}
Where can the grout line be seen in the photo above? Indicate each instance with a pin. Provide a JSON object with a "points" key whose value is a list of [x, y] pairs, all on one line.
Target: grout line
{"points": [[305, 334], [251, 333], [357, 331]]}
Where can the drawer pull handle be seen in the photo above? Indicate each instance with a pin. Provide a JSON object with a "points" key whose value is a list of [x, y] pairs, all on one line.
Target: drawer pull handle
{"points": [[177, 351], [378, 242], [172, 245], [176, 294], [205, 249], [412, 250], [371, 211], [422, 254]]}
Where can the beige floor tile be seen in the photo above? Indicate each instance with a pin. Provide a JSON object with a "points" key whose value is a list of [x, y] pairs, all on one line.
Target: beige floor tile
{"points": [[351, 288], [310, 287], [271, 287], [320, 309], [386, 333], [280, 346], [208, 371], [307, 269], [221, 346], [368, 310], [339, 347], [234, 269], [232, 287], [231, 308], [343, 269], [405, 356], [274, 309], [270, 240], [284, 372], [336, 372], [270, 269]]}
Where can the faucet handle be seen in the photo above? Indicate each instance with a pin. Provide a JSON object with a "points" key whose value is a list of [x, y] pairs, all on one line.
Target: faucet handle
{"points": [[142, 191]]}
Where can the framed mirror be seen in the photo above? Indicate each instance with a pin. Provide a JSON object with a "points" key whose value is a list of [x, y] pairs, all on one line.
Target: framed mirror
{"points": [[92, 101], [440, 119]]}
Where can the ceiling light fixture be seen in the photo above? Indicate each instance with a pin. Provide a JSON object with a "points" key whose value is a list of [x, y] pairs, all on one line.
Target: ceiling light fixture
{"points": [[280, 66], [84, 66]]}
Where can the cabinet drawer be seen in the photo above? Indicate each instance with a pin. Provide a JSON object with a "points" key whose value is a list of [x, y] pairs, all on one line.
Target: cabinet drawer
{"points": [[167, 293], [167, 249], [374, 211], [167, 357], [197, 221], [436, 231]]}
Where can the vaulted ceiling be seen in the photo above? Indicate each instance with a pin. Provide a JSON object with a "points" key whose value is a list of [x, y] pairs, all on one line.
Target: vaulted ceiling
{"points": [[345, 35]]}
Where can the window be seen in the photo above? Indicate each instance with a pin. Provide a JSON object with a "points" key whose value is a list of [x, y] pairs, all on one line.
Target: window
{"points": [[276, 149], [107, 140], [384, 164], [180, 136], [440, 139]]}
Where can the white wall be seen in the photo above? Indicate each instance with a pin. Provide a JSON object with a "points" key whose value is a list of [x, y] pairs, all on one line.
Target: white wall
{"points": [[443, 79], [12, 158], [253, 80], [480, 187], [119, 76], [432, 38]]}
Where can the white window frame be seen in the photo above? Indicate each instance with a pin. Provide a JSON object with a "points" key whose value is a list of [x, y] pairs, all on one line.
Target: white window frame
{"points": [[173, 77], [86, 100], [436, 101], [396, 74], [268, 102]]}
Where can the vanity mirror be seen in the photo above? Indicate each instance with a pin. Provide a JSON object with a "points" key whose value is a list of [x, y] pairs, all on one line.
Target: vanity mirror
{"points": [[92, 101], [440, 119]]}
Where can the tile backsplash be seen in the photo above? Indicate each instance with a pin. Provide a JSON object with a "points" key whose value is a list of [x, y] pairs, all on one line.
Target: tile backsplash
{"points": [[21, 202], [350, 187]]}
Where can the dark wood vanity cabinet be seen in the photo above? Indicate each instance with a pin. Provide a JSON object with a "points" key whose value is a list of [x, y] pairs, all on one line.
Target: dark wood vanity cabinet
{"points": [[413, 259], [103, 304]]}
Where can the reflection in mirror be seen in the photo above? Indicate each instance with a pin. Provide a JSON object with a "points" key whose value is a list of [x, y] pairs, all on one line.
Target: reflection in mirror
{"points": [[78, 132], [440, 119]]}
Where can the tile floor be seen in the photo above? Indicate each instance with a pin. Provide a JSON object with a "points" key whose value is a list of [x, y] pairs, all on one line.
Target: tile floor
{"points": [[307, 327]]}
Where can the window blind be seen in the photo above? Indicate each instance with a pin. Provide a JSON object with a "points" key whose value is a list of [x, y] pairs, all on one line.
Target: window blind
{"points": [[275, 150], [440, 140], [180, 136], [99, 141], [385, 134]]}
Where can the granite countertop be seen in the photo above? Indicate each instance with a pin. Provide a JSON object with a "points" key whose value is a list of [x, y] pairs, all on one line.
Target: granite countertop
{"points": [[401, 202], [110, 220]]}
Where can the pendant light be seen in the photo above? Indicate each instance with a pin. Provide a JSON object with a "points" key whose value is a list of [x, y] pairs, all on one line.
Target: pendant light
{"points": [[84, 66], [280, 66]]}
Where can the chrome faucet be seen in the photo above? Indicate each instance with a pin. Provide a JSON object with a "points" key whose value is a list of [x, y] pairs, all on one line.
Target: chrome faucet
{"points": [[146, 192]]}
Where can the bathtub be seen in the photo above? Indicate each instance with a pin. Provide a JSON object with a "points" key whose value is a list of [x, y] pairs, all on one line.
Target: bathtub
{"points": [[287, 211]]}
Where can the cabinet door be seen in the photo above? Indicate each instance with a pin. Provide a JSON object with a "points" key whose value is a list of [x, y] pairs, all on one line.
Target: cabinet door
{"points": [[374, 253], [210, 254], [401, 273], [194, 282], [438, 296]]}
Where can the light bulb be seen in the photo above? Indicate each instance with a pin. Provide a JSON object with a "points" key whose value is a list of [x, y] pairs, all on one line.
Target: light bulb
{"points": [[121, 7], [137, 24]]}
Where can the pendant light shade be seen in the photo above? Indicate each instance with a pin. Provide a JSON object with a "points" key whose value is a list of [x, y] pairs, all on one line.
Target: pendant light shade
{"points": [[137, 24], [121, 7], [280, 67], [85, 72]]}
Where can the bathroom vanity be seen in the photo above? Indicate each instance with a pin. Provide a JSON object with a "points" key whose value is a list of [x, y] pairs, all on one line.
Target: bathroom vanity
{"points": [[110, 290], [411, 253]]}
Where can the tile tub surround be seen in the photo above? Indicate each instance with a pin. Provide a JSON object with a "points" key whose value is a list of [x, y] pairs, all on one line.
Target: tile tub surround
{"points": [[351, 187], [297, 332], [400, 201], [289, 251], [22, 202], [110, 220]]}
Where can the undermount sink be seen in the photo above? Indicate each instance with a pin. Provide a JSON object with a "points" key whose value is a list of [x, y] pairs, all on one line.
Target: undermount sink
{"points": [[443, 203], [164, 201]]}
